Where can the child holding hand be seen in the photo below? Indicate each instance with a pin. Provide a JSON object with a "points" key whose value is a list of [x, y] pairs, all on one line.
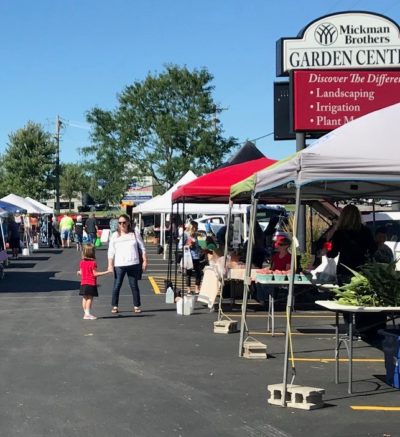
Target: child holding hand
{"points": [[87, 271]]}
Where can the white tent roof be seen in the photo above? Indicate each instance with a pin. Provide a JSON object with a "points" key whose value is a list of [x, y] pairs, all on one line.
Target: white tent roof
{"points": [[46, 209], [360, 159], [22, 203], [162, 204]]}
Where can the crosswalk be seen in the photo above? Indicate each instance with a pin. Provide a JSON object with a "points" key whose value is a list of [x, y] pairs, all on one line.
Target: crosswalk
{"points": [[157, 270]]}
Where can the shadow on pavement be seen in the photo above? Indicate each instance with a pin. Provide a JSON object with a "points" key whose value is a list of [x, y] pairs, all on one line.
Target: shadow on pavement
{"points": [[35, 282], [124, 316], [20, 266]]}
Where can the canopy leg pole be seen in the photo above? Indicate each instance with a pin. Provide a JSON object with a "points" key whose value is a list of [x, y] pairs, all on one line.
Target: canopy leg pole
{"points": [[228, 223], [247, 278], [289, 303]]}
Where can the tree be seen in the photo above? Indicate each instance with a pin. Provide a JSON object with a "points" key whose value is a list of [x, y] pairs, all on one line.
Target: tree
{"points": [[71, 181], [29, 162], [162, 127]]}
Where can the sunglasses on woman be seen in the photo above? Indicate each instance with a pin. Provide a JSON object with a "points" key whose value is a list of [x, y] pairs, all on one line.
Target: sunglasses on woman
{"points": [[122, 223]]}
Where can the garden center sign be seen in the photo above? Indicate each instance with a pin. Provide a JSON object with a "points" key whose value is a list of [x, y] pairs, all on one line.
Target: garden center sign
{"points": [[342, 41], [341, 67]]}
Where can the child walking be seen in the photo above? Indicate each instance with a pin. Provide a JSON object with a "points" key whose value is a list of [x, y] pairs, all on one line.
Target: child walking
{"points": [[87, 271]]}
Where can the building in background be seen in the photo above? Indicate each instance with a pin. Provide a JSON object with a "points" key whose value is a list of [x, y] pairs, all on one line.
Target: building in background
{"points": [[139, 190]]}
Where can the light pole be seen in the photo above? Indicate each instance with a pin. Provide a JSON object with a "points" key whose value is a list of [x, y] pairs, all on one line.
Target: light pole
{"points": [[57, 137]]}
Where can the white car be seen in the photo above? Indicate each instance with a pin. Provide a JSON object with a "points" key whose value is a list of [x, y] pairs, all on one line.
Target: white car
{"points": [[214, 222]]}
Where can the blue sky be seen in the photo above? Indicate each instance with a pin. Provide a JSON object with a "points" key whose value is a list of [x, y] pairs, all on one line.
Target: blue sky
{"points": [[65, 57]]}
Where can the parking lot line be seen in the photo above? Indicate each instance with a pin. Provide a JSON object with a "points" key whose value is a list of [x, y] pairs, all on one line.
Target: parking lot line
{"points": [[373, 408], [153, 283], [342, 360]]}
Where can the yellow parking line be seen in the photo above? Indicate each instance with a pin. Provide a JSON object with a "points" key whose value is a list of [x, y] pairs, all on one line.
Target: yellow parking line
{"points": [[373, 408], [276, 334], [281, 316], [342, 360], [154, 285]]}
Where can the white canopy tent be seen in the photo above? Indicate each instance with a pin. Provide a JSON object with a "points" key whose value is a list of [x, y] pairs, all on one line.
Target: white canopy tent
{"points": [[22, 203], [44, 208], [162, 204], [358, 160]]}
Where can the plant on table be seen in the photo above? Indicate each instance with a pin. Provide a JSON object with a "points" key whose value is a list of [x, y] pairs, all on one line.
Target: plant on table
{"points": [[377, 284]]}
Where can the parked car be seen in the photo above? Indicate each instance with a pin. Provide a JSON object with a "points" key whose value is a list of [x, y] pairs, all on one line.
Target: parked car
{"points": [[212, 222]]}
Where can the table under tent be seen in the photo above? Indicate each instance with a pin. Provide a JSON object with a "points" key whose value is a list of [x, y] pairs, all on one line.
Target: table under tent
{"points": [[359, 160], [214, 188], [34, 231]]}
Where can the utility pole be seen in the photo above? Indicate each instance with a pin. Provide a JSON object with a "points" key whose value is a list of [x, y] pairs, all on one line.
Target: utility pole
{"points": [[57, 137]]}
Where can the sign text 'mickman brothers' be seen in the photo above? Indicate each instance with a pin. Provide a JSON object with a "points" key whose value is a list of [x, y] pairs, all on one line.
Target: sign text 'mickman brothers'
{"points": [[342, 41]]}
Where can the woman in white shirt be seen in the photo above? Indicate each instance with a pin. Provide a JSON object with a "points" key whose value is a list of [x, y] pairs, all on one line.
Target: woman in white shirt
{"points": [[124, 258]]}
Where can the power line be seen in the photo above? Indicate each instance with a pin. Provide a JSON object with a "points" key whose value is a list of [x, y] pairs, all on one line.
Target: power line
{"points": [[256, 139]]}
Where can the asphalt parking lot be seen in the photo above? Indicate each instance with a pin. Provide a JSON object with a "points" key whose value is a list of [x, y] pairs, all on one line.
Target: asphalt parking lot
{"points": [[157, 373]]}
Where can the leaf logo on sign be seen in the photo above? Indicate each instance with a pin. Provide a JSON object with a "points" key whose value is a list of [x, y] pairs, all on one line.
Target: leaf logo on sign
{"points": [[326, 34]]}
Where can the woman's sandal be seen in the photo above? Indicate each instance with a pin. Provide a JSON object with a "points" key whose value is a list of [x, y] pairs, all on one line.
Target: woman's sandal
{"points": [[137, 310], [114, 310]]}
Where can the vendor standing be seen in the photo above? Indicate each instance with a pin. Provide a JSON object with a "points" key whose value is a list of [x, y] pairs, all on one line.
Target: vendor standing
{"points": [[355, 245]]}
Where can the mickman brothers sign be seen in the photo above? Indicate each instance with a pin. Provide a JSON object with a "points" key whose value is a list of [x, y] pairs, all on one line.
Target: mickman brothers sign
{"points": [[347, 40]]}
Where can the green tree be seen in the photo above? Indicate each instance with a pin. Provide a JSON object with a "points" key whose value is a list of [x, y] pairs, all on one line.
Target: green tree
{"points": [[29, 162], [71, 181], [162, 127]]}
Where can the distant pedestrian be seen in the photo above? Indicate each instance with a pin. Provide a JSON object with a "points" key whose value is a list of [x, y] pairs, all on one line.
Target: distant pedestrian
{"points": [[88, 272], [14, 236], [124, 258], [55, 226], [66, 226], [91, 228], [113, 225], [78, 232]]}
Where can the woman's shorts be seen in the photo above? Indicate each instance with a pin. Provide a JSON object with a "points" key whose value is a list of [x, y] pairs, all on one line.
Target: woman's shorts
{"points": [[88, 290], [66, 234]]}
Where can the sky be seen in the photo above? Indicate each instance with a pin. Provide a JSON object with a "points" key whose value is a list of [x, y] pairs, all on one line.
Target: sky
{"points": [[63, 58]]}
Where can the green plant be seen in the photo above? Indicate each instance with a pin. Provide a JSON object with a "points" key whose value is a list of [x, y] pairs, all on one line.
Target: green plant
{"points": [[377, 284]]}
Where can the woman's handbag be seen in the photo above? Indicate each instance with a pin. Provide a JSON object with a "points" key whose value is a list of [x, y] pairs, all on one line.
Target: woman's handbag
{"points": [[140, 254], [186, 261], [140, 273]]}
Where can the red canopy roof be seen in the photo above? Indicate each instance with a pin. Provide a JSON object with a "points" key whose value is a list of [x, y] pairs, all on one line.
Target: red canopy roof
{"points": [[215, 186]]}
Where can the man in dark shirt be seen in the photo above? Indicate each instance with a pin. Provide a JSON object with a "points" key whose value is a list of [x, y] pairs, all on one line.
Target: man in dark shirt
{"points": [[91, 228]]}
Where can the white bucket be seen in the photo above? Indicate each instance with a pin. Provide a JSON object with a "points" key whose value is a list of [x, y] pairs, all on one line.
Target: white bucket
{"points": [[184, 307], [25, 251], [191, 298]]}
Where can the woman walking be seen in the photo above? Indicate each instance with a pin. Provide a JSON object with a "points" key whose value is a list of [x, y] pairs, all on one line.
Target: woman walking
{"points": [[124, 252]]}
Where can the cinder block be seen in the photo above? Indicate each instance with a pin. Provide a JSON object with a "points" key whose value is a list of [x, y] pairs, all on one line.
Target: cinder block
{"points": [[297, 396], [254, 349], [225, 326]]}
